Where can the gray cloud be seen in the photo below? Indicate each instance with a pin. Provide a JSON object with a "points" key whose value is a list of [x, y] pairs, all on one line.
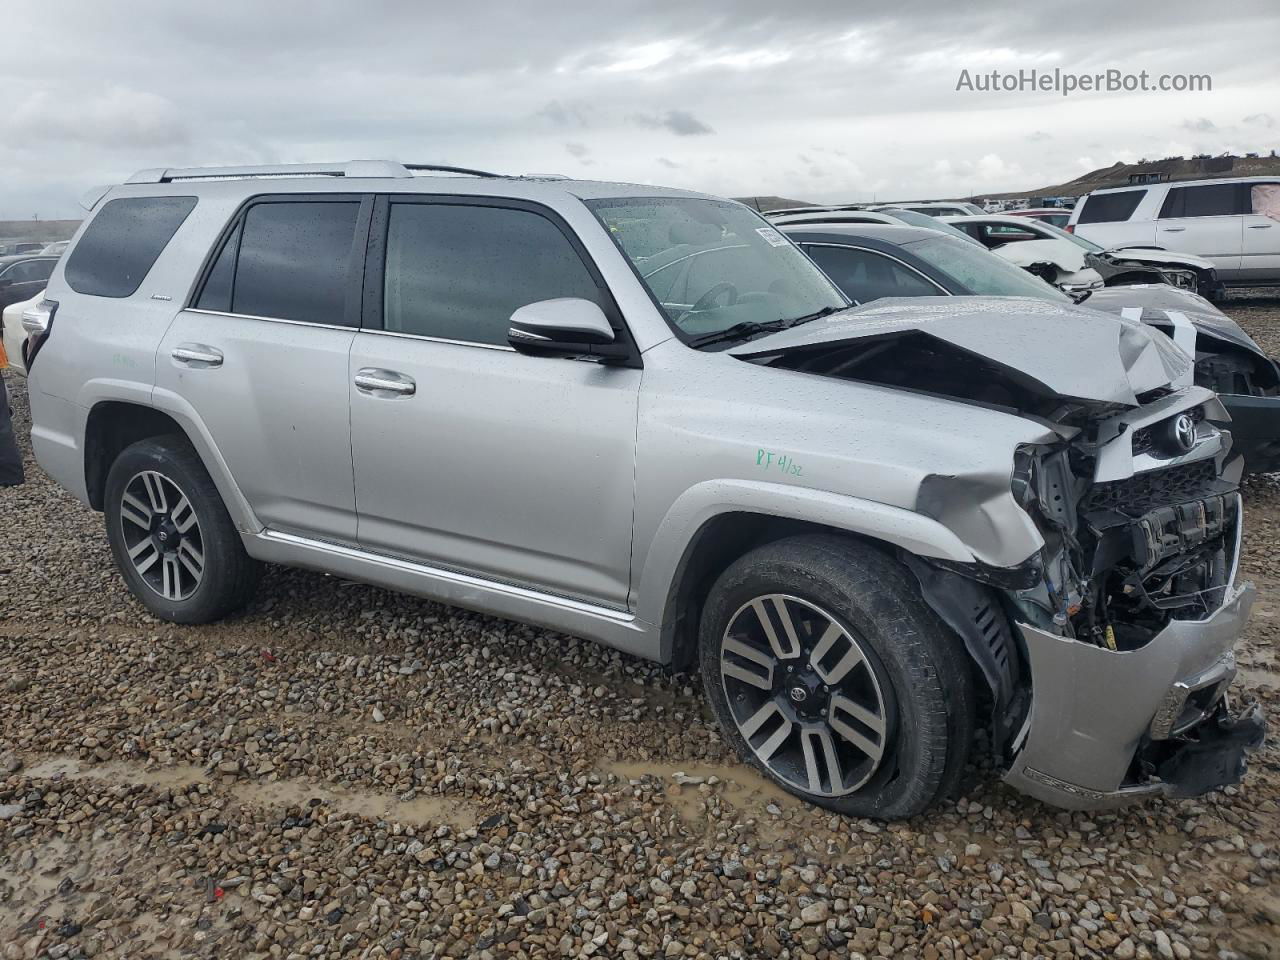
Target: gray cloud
{"points": [[1200, 125], [580, 152], [1038, 136], [669, 164], [680, 122], [1261, 119]]}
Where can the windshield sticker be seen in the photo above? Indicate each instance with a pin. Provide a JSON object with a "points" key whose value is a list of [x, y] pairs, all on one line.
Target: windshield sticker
{"points": [[772, 236], [782, 462]]}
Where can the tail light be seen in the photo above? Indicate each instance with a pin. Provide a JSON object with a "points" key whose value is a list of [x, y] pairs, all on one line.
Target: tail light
{"points": [[37, 321], [1070, 228]]}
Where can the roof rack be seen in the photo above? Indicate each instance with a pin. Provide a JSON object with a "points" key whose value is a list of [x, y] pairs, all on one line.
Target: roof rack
{"points": [[353, 168]]}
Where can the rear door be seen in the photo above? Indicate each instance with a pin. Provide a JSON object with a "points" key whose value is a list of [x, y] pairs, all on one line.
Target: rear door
{"points": [[261, 354], [468, 455], [1260, 248], [1206, 219]]}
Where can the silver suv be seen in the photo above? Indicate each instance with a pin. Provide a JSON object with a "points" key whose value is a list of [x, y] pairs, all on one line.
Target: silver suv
{"points": [[643, 416]]}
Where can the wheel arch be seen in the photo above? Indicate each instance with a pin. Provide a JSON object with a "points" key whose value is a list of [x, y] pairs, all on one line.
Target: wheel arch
{"points": [[114, 424], [713, 524]]}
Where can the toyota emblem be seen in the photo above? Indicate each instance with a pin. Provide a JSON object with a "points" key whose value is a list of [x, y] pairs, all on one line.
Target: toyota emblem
{"points": [[799, 694], [1184, 432]]}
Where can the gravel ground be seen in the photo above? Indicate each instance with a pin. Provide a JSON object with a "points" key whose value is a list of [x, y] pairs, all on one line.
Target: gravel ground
{"points": [[344, 771]]}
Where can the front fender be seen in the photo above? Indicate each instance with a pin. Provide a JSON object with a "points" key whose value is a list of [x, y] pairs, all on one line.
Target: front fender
{"points": [[705, 501]]}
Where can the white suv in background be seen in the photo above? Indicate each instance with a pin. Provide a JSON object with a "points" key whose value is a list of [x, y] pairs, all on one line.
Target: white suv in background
{"points": [[1235, 222]]}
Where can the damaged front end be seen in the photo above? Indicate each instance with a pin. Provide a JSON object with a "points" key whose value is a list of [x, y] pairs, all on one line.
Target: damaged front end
{"points": [[1107, 648], [1128, 635]]}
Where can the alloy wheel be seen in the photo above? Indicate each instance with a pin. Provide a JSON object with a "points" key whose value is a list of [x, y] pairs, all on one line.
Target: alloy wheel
{"points": [[804, 694], [162, 535]]}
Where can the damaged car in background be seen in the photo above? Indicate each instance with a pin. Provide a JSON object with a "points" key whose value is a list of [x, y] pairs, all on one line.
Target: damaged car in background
{"points": [[870, 263], [1066, 259]]}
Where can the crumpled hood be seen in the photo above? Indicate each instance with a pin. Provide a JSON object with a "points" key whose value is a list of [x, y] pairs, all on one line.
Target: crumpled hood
{"points": [[1064, 253], [1157, 299], [1163, 258], [1075, 353]]}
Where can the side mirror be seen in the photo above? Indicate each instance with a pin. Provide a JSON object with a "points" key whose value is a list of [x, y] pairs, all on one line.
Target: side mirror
{"points": [[566, 325]]}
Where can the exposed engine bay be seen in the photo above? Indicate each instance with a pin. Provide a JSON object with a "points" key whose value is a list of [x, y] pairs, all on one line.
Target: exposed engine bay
{"points": [[1124, 557]]}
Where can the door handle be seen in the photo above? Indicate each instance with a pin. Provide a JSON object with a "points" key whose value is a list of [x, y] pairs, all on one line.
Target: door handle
{"points": [[198, 353], [374, 381], [1259, 226], [1173, 229]]}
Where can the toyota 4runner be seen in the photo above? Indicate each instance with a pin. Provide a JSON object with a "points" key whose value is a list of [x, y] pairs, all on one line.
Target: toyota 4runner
{"points": [[643, 416]]}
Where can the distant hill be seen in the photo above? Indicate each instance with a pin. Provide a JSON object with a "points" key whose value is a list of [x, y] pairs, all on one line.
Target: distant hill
{"points": [[1153, 171], [38, 229]]}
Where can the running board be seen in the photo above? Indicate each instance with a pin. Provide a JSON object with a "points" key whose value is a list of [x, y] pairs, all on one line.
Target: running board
{"points": [[614, 627]]}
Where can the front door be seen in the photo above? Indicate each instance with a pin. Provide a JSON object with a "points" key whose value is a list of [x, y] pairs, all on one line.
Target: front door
{"points": [[469, 455]]}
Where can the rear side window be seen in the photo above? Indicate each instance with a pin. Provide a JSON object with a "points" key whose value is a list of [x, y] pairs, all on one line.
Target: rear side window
{"points": [[865, 276], [286, 260], [1110, 207], [122, 242], [458, 272], [1210, 200]]}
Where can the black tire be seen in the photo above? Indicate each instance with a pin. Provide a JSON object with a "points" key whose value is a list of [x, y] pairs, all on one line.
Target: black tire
{"points": [[227, 575], [924, 677]]}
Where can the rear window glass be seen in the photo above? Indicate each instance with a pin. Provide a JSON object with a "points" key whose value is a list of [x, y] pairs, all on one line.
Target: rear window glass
{"points": [[1109, 207], [122, 242], [1210, 200], [293, 263]]}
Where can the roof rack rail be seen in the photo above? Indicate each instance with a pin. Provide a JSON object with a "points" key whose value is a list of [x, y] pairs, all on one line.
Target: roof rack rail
{"points": [[353, 168], [438, 168]]}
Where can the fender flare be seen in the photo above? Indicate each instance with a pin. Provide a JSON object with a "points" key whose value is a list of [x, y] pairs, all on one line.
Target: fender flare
{"points": [[185, 416], [663, 563]]}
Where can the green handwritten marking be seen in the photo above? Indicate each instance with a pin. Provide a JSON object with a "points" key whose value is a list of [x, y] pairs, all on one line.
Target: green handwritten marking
{"points": [[774, 462], [120, 360]]}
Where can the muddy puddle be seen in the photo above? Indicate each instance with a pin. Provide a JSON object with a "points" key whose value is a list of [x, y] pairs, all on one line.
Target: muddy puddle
{"points": [[419, 811], [741, 786]]}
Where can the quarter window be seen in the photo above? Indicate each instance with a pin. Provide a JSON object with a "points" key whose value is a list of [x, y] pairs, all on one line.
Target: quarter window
{"points": [[122, 243], [865, 276], [458, 271], [1109, 207]]}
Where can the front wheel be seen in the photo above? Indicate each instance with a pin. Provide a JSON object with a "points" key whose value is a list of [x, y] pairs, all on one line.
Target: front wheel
{"points": [[171, 535], [831, 675]]}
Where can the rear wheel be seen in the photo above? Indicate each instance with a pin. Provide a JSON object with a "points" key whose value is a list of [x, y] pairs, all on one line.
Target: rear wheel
{"points": [[171, 535], [831, 675]]}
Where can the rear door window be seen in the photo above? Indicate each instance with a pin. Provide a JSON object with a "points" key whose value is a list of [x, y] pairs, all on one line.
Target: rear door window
{"points": [[122, 243], [865, 276], [1208, 200], [1110, 207], [288, 260], [458, 271]]}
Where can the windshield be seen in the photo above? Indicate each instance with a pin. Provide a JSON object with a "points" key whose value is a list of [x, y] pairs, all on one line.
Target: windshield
{"points": [[1078, 241], [712, 264], [982, 273]]}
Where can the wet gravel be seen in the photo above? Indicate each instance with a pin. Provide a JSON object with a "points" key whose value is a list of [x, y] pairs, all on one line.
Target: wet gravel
{"points": [[342, 771]]}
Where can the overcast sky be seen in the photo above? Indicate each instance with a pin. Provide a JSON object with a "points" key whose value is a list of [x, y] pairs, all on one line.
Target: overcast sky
{"points": [[821, 100]]}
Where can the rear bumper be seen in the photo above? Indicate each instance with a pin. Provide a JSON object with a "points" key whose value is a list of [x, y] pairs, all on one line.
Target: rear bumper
{"points": [[1255, 428], [1110, 727]]}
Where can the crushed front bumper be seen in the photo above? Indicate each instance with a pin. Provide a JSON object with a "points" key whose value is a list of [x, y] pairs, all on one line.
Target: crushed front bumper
{"points": [[1108, 727]]}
